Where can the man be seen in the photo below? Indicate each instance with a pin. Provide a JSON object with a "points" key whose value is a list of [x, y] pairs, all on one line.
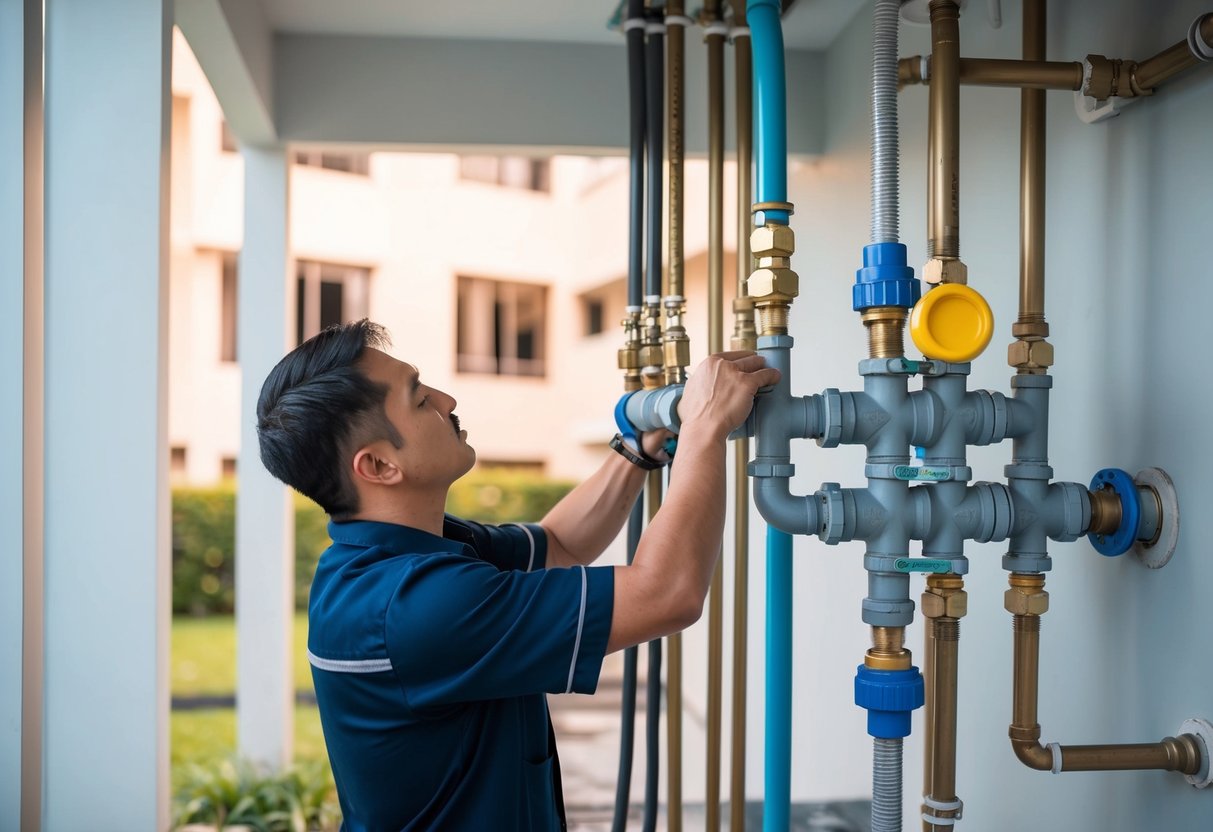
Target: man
{"points": [[433, 640]]}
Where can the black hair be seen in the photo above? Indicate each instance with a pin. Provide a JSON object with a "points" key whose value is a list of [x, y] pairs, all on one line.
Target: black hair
{"points": [[316, 408]]}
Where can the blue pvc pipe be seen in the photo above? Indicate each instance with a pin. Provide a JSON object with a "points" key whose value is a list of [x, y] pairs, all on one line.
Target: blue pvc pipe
{"points": [[777, 787], [770, 105]]}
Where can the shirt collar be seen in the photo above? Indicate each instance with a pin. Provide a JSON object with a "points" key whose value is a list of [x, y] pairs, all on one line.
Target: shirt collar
{"points": [[392, 537]]}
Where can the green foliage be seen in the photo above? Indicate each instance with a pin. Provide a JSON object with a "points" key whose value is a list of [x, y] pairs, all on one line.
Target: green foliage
{"points": [[204, 532], [234, 793], [202, 658], [505, 496], [204, 542]]}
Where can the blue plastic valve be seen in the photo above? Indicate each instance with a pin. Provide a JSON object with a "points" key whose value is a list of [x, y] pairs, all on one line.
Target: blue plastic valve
{"points": [[1122, 485], [885, 279], [889, 696]]}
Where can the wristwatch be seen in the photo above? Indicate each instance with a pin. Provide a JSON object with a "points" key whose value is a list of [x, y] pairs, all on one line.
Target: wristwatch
{"points": [[637, 458]]}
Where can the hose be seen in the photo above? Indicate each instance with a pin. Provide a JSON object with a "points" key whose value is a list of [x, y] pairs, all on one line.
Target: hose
{"points": [[884, 122], [627, 727], [886, 784]]}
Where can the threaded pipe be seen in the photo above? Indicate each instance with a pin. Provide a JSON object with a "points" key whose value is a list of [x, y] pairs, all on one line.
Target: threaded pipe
{"points": [[884, 122], [886, 784]]}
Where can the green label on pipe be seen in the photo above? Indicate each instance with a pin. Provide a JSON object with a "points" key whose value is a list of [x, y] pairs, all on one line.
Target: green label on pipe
{"points": [[916, 472], [923, 565]]}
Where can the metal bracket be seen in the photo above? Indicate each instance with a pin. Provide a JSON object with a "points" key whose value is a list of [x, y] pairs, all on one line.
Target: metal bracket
{"points": [[1157, 552], [1203, 730]]}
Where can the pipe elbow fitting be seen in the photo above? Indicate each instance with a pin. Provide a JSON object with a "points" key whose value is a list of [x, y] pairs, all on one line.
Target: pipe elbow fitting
{"points": [[778, 506], [1033, 755]]}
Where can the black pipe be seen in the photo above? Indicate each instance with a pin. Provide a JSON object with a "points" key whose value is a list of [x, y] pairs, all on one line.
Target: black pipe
{"points": [[636, 112], [654, 72], [636, 104], [627, 727]]}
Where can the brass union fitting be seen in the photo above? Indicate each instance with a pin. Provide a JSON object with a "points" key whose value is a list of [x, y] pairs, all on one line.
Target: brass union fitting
{"points": [[629, 353], [945, 270], [888, 650], [1030, 355], [886, 331], [945, 597], [745, 337], [773, 285], [1027, 595]]}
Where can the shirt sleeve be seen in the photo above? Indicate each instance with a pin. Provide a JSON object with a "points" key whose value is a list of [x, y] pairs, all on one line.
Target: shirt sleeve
{"points": [[521, 546], [460, 630]]}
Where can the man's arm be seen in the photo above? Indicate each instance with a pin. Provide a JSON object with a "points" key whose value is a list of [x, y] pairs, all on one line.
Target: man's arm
{"points": [[589, 517], [663, 590]]}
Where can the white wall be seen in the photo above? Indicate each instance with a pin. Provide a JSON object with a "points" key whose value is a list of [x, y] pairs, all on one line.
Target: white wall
{"points": [[1129, 206]]}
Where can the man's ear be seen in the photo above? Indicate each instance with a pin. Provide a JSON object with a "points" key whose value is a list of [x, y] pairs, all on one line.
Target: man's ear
{"points": [[373, 465]]}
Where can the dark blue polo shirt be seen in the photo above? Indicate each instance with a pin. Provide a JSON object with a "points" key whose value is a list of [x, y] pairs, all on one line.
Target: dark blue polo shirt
{"points": [[431, 657]]}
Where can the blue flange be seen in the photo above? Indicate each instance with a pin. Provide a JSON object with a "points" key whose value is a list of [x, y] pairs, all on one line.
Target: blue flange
{"points": [[1122, 485], [885, 279], [889, 697]]}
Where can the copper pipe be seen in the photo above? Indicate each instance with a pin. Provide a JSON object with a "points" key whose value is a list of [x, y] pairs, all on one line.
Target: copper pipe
{"points": [[741, 447], [943, 706], [675, 343], [928, 715], [999, 72], [715, 45], [1170, 62], [1032, 184], [944, 183], [1180, 753]]}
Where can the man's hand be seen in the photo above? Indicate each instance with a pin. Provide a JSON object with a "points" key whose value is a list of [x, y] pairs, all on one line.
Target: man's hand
{"points": [[720, 392], [653, 443]]}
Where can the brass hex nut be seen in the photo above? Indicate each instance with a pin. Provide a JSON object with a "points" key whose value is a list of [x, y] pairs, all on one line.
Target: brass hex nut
{"points": [[952, 605], [945, 270], [766, 282], [1019, 602], [678, 352], [772, 241], [1035, 353]]}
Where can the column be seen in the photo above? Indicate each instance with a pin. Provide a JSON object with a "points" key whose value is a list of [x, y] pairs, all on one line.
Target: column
{"points": [[265, 535], [105, 729]]}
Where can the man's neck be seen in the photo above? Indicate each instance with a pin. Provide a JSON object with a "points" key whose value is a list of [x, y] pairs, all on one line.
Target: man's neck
{"points": [[424, 511]]}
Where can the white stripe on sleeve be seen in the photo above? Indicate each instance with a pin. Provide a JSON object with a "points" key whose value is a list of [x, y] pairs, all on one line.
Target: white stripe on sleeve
{"points": [[580, 624]]}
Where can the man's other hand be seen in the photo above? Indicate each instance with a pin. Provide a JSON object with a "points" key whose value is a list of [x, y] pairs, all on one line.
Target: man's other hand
{"points": [[720, 392]]}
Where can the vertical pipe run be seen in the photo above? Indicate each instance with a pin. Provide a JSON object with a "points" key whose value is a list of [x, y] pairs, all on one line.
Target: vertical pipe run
{"points": [[770, 106], [778, 756], [627, 727], [741, 447], [946, 638], [886, 784], [1032, 175], [714, 37], [885, 179], [652, 693], [944, 145]]}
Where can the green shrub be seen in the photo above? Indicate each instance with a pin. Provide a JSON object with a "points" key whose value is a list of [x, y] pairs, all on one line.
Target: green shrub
{"points": [[204, 539], [235, 793], [204, 532]]}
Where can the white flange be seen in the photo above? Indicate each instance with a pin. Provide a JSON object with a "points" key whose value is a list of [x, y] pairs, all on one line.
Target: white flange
{"points": [[1156, 553], [1203, 730]]}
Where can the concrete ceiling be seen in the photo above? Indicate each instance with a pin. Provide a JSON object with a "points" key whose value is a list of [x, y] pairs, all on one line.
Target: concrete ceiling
{"points": [[535, 74], [810, 24]]}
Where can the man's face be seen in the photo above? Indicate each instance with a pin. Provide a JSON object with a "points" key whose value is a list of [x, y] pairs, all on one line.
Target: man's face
{"points": [[435, 450]]}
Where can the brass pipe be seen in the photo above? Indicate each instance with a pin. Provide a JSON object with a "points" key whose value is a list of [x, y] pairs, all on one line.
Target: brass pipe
{"points": [[944, 183], [1032, 325], [1105, 511], [714, 39], [676, 343], [677, 356], [928, 715], [743, 338], [886, 331], [944, 603], [1000, 72], [1027, 601], [1153, 71]]}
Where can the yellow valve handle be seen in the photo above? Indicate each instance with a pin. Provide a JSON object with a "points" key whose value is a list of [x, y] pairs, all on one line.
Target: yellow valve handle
{"points": [[952, 323]]}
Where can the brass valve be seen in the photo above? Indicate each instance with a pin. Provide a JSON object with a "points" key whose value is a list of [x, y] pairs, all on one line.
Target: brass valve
{"points": [[773, 285]]}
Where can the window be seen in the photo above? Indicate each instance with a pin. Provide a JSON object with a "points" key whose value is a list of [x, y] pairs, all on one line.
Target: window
{"points": [[227, 467], [176, 462], [340, 160], [500, 327], [507, 171], [227, 141], [594, 314], [227, 309], [328, 294]]}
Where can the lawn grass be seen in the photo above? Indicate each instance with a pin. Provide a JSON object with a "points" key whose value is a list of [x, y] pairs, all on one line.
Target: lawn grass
{"points": [[203, 662], [204, 655]]}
